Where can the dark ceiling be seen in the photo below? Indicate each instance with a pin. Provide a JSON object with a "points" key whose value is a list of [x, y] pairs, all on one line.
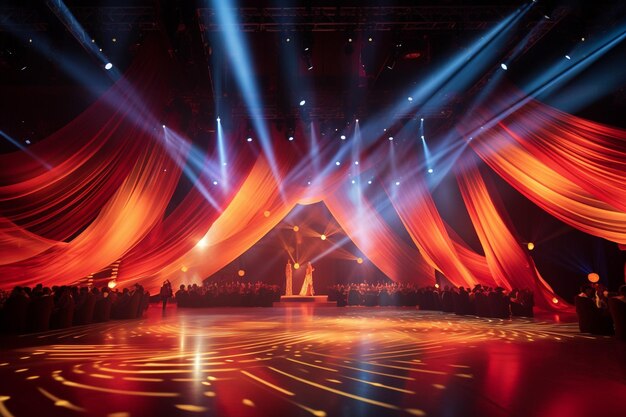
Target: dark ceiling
{"points": [[349, 79]]}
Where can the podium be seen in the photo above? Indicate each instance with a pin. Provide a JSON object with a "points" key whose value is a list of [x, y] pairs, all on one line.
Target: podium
{"points": [[303, 300]]}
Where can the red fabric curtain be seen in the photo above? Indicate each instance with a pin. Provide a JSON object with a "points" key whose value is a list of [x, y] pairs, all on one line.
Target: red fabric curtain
{"points": [[373, 236]]}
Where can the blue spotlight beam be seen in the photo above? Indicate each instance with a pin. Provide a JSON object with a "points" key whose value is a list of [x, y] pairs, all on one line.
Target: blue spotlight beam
{"points": [[221, 149], [26, 150], [239, 57], [64, 14]]}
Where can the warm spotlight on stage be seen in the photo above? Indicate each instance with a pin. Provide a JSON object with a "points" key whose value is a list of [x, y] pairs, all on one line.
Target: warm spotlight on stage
{"points": [[555, 300], [593, 277], [359, 260], [296, 228], [530, 246], [112, 284], [323, 237], [296, 265], [241, 272]]}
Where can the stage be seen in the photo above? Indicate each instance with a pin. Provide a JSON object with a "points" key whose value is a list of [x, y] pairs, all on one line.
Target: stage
{"points": [[305, 301], [313, 362]]}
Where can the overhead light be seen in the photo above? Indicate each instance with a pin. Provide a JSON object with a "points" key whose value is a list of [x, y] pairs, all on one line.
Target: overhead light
{"points": [[337, 163], [214, 182], [353, 182], [430, 170], [249, 139], [218, 118], [390, 137], [290, 138], [410, 98], [288, 39], [108, 66], [356, 162], [369, 181], [114, 39], [163, 126], [503, 66], [343, 137], [568, 57], [370, 39], [397, 182], [302, 102]]}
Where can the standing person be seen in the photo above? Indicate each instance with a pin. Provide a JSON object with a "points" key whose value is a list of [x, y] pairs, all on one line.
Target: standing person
{"points": [[307, 285], [288, 278], [166, 292]]}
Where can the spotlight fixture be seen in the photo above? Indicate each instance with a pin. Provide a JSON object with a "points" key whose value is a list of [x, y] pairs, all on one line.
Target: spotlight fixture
{"points": [[369, 182], [337, 163], [290, 138], [370, 39], [356, 162], [390, 137], [359, 260], [503, 66], [353, 182], [343, 137], [249, 139], [27, 141], [421, 119], [163, 126], [218, 119], [323, 237], [410, 98], [530, 246], [397, 182], [430, 170], [296, 228], [114, 39], [568, 57], [108, 66], [302, 102], [214, 182], [288, 39]]}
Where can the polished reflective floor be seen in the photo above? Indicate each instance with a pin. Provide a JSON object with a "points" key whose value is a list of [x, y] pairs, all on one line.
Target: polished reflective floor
{"points": [[313, 362]]}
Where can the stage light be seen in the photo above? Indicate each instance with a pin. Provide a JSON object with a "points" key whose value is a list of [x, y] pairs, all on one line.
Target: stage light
{"points": [[356, 162], [108, 66], [241, 272], [93, 41], [423, 138], [112, 284], [27, 141], [397, 182], [410, 98], [357, 120], [337, 163], [436, 285], [353, 182], [503, 66], [422, 119], [308, 182], [359, 260], [555, 300], [224, 163], [184, 269], [430, 170], [390, 137], [288, 39], [202, 243], [266, 213], [582, 39], [249, 139], [568, 57], [100, 49], [114, 39], [302, 102], [296, 265], [218, 119], [30, 41], [214, 182], [290, 138], [370, 39], [369, 181], [342, 137], [593, 277], [323, 237], [296, 228], [530, 246], [163, 126]]}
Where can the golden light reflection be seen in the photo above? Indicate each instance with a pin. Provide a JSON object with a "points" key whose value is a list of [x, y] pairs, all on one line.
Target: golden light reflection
{"points": [[368, 354]]}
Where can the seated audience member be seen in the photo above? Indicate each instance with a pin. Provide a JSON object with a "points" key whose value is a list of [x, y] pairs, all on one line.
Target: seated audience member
{"points": [[591, 319]]}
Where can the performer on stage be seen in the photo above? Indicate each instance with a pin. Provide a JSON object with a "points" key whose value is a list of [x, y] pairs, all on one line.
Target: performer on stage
{"points": [[307, 285], [288, 276]]}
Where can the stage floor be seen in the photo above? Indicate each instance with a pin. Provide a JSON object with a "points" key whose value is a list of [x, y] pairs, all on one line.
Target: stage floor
{"points": [[313, 362]]}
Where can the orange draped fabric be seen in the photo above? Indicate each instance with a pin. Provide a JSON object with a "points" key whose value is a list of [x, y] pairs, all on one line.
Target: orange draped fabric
{"points": [[510, 265], [130, 214], [420, 217], [373, 236], [88, 159]]}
